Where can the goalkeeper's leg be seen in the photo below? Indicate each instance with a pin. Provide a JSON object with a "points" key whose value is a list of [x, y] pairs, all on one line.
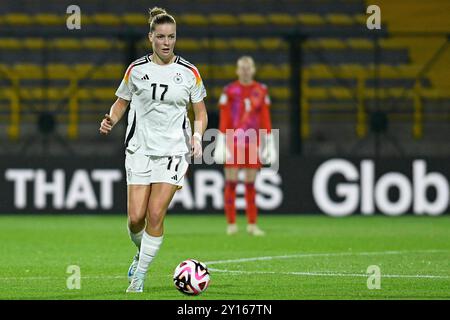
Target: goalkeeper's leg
{"points": [[250, 198], [230, 199]]}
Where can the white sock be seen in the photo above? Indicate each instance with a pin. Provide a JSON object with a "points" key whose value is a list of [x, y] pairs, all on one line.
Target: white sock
{"points": [[136, 237], [149, 248]]}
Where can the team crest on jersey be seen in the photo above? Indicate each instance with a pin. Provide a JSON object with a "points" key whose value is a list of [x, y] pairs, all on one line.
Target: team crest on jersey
{"points": [[178, 79]]}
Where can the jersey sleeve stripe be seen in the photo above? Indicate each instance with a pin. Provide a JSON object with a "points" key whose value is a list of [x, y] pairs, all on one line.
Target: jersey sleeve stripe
{"points": [[194, 70], [134, 64]]}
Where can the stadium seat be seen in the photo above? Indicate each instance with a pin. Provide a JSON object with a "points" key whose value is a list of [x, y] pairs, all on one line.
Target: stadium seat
{"points": [[310, 19], [103, 93], [223, 72], [33, 43], [245, 44], [282, 19], [215, 44], [194, 19], [360, 44], [341, 93], [59, 71], [135, 19], [316, 93], [339, 19], [50, 19], [10, 44], [279, 93], [186, 44], [65, 44], [18, 19], [28, 71], [273, 44], [252, 19], [271, 71], [223, 19], [97, 44], [106, 19]]}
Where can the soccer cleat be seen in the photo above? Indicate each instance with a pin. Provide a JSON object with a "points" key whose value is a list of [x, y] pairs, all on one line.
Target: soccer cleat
{"points": [[133, 267], [136, 285], [232, 229], [253, 230]]}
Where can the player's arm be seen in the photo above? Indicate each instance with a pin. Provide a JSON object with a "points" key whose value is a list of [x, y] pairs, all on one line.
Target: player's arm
{"points": [[200, 124], [115, 114], [224, 113], [268, 152], [225, 123]]}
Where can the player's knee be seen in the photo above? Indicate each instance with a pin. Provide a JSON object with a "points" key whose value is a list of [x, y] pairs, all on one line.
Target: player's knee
{"points": [[156, 216], [135, 219]]}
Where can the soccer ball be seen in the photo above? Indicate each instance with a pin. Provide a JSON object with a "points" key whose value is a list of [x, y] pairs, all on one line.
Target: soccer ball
{"points": [[191, 277]]}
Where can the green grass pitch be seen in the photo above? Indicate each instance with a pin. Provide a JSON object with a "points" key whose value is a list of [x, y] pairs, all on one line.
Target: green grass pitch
{"points": [[301, 257]]}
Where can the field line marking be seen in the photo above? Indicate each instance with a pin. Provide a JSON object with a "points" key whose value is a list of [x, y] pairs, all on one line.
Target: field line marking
{"points": [[304, 255], [326, 273], [331, 274]]}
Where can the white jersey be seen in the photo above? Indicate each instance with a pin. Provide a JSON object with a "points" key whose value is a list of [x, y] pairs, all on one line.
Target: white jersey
{"points": [[158, 124]]}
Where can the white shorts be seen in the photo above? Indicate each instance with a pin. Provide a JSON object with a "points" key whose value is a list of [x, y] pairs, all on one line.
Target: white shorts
{"points": [[145, 170]]}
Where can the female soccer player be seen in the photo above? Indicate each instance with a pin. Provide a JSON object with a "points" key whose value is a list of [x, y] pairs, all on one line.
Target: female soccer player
{"points": [[158, 144], [244, 107]]}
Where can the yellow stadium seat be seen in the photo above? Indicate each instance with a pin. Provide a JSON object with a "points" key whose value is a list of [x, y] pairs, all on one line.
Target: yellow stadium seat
{"points": [[96, 44], [10, 43], [65, 44], [224, 72], [341, 93], [279, 93], [83, 94], [352, 71], [320, 71], [194, 19], [364, 44], [310, 19], [409, 71], [271, 71], [330, 43], [81, 70], [106, 19], [31, 93], [135, 19], [215, 44], [244, 44], [273, 43], [103, 93], [59, 71], [252, 19], [360, 19], [18, 19], [316, 93], [188, 44], [28, 71], [223, 19], [281, 19], [33, 43], [50, 19], [112, 71], [339, 19]]}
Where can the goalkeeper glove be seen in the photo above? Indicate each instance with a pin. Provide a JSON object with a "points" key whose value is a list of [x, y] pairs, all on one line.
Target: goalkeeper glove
{"points": [[268, 152]]}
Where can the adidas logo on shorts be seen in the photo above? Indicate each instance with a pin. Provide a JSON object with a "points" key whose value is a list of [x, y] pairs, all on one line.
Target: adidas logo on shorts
{"points": [[175, 177]]}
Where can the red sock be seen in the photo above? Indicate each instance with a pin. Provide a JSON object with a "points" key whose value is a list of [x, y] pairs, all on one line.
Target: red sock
{"points": [[230, 199], [251, 210]]}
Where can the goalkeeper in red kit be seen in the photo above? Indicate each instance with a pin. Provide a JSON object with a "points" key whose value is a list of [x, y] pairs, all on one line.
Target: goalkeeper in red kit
{"points": [[244, 123]]}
